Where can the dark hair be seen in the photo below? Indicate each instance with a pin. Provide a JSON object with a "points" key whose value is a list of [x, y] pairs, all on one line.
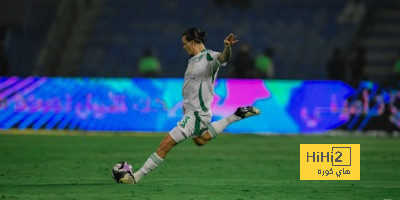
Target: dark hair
{"points": [[195, 34]]}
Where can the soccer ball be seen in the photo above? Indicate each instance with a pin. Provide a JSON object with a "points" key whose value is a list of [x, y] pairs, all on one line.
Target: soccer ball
{"points": [[122, 172]]}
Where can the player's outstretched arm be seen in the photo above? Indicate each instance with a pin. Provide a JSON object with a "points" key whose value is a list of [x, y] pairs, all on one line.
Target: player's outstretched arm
{"points": [[227, 53]]}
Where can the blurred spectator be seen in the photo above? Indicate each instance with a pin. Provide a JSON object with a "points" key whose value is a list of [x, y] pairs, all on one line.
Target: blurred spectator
{"points": [[336, 65], [353, 12], [357, 65], [3, 63], [149, 65], [396, 68], [243, 63], [264, 64]]}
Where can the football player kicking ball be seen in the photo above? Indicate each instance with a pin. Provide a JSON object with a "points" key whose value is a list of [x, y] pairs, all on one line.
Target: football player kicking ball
{"points": [[198, 93]]}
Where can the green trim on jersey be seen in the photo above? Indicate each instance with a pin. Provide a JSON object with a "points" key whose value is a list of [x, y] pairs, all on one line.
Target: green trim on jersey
{"points": [[183, 124], [209, 57], [197, 123], [214, 72], [203, 107], [213, 75], [200, 57], [197, 130]]}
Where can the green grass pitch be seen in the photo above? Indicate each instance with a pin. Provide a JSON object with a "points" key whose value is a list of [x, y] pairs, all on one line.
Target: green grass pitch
{"points": [[47, 166]]}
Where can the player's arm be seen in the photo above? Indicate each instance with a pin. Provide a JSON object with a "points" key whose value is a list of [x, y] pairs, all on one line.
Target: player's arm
{"points": [[227, 53]]}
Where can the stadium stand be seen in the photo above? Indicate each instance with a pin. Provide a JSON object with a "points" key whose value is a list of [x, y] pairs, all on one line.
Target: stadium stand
{"points": [[25, 37], [380, 36], [303, 33]]}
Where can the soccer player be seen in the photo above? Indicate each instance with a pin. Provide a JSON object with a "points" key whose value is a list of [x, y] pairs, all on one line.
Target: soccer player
{"points": [[198, 92]]}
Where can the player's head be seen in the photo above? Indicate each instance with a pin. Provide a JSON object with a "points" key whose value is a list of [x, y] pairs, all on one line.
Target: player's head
{"points": [[192, 39]]}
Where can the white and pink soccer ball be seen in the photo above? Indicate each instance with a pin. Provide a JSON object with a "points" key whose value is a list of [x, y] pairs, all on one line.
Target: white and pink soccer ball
{"points": [[120, 170]]}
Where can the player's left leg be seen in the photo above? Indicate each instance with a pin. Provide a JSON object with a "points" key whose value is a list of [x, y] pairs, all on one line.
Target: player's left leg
{"points": [[215, 128]]}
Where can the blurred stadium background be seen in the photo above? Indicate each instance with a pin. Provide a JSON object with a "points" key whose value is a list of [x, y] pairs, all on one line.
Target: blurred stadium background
{"points": [[105, 38], [74, 65]]}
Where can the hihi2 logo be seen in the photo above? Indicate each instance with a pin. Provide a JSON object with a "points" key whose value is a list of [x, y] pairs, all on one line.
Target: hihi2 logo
{"points": [[329, 161]]}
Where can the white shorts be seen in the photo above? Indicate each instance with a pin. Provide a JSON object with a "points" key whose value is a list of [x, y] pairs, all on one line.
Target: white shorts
{"points": [[192, 124]]}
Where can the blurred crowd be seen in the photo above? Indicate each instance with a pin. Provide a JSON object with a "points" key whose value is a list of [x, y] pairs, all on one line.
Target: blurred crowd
{"points": [[243, 64]]}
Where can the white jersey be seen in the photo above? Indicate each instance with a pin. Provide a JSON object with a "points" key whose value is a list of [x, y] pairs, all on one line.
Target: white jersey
{"points": [[198, 86]]}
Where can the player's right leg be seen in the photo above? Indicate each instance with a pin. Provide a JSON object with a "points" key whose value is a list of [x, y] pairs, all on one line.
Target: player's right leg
{"points": [[248, 111], [215, 128]]}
